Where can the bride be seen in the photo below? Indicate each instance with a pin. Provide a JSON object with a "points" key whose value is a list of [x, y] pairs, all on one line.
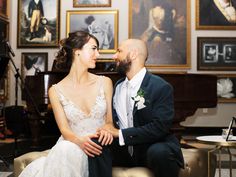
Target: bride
{"points": [[81, 103]]}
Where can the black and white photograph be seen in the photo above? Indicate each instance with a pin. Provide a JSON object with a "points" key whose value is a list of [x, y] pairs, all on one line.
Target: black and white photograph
{"points": [[210, 54], [216, 14], [91, 3], [226, 88], [230, 53], [102, 24], [33, 63], [216, 53], [38, 23]]}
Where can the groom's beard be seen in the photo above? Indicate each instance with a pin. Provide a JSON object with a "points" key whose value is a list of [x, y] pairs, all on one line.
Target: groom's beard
{"points": [[124, 66]]}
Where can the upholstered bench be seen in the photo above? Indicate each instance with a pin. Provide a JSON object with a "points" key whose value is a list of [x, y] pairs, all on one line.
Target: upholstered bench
{"points": [[195, 165]]}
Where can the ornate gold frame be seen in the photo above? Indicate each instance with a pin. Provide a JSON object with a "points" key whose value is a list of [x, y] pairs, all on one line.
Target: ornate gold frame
{"points": [[181, 5], [80, 16], [52, 22], [198, 24], [76, 4]]}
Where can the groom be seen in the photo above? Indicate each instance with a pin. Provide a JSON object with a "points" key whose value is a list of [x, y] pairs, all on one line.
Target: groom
{"points": [[143, 111]]}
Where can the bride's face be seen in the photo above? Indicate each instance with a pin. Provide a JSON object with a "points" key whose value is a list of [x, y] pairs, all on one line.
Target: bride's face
{"points": [[89, 53]]}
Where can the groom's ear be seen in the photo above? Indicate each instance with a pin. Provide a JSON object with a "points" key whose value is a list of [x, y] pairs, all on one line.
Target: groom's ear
{"points": [[133, 54]]}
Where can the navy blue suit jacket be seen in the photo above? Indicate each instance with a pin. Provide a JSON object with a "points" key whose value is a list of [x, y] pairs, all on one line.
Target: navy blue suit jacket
{"points": [[152, 124]]}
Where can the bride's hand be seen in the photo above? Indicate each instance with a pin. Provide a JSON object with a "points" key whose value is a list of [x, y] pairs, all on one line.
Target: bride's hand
{"points": [[89, 147], [105, 137]]}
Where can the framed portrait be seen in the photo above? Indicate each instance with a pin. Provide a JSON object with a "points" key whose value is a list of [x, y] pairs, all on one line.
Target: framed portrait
{"points": [[4, 9], [91, 3], [165, 27], [226, 88], [33, 63], [215, 14], [38, 28], [103, 24], [216, 53]]}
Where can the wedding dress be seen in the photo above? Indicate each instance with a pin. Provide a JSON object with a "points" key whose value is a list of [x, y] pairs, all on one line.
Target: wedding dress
{"points": [[66, 159]]}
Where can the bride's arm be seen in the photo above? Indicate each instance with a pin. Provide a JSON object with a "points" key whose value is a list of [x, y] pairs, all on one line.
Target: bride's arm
{"points": [[105, 137], [85, 142]]}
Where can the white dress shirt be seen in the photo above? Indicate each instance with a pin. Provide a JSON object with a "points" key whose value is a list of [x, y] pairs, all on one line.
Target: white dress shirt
{"points": [[119, 100]]}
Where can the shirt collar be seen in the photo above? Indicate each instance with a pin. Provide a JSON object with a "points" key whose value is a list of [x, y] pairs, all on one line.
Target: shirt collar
{"points": [[137, 78]]}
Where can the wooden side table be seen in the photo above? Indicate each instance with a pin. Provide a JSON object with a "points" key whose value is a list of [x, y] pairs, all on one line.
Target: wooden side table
{"points": [[220, 143]]}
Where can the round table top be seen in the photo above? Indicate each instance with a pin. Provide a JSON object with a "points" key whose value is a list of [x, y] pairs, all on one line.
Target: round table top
{"points": [[217, 140]]}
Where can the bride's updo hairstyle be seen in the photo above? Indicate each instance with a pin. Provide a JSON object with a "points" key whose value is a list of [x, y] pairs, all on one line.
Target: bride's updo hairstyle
{"points": [[65, 55]]}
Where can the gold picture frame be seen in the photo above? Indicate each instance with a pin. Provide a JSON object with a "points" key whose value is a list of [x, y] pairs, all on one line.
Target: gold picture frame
{"points": [[45, 29], [226, 88], [91, 3], [101, 23], [170, 45], [211, 16]]}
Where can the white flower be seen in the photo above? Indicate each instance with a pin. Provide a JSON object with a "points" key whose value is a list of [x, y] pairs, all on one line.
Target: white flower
{"points": [[139, 100], [224, 88]]}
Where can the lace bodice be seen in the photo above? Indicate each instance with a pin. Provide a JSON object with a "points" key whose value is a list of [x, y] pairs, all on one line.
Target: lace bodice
{"points": [[80, 122]]}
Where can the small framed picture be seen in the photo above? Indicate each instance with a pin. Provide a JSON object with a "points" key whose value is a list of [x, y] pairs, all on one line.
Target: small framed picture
{"points": [[91, 3], [216, 53], [33, 63], [38, 27], [226, 88], [103, 24], [215, 14]]}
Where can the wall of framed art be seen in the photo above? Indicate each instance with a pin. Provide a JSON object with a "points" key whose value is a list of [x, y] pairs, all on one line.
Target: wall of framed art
{"points": [[183, 14]]}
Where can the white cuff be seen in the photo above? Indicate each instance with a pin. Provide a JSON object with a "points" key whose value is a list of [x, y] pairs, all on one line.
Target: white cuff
{"points": [[121, 138]]}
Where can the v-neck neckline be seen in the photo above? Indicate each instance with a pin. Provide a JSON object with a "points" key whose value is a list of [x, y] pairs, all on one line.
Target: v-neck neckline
{"points": [[91, 110], [77, 106]]}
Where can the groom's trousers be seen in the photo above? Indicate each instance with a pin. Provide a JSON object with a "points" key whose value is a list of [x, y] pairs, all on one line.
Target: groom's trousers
{"points": [[100, 166]]}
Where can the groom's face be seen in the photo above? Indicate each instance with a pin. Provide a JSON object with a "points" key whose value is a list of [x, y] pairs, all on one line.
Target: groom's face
{"points": [[122, 58], [124, 65]]}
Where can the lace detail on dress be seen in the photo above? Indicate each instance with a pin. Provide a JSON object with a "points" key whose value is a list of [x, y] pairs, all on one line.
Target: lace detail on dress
{"points": [[78, 120], [66, 158]]}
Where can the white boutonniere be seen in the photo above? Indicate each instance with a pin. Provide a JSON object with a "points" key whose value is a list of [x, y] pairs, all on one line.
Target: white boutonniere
{"points": [[139, 99]]}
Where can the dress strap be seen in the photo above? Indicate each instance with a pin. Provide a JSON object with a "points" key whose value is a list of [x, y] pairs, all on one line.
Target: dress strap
{"points": [[101, 85], [58, 91]]}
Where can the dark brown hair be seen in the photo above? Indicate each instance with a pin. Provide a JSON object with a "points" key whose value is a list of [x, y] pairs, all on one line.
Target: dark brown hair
{"points": [[75, 40]]}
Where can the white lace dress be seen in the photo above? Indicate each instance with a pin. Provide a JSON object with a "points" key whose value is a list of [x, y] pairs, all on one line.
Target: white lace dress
{"points": [[66, 159]]}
